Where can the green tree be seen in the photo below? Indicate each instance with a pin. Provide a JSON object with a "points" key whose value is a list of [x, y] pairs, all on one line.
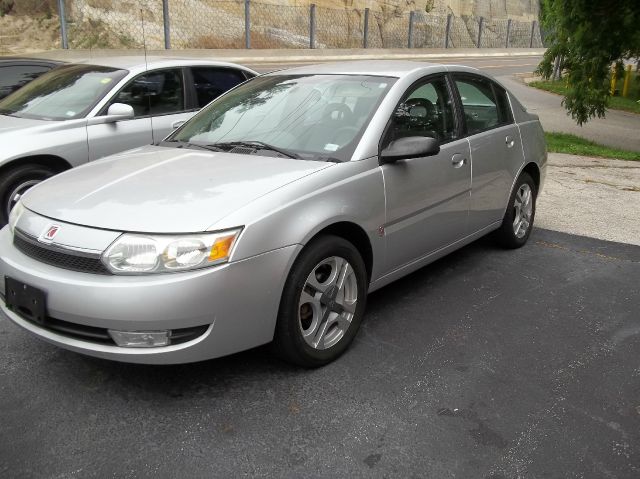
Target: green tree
{"points": [[588, 37]]}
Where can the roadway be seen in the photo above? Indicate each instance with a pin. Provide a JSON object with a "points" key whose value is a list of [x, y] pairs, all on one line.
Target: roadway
{"points": [[619, 129], [497, 66]]}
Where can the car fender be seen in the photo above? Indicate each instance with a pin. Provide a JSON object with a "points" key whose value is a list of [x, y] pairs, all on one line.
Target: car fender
{"points": [[63, 139], [351, 192]]}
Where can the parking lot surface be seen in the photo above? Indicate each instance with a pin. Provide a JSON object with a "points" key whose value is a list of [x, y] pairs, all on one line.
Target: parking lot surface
{"points": [[486, 364]]}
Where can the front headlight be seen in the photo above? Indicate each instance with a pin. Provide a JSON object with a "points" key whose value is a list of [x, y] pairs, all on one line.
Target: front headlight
{"points": [[141, 254], [15, 214]]}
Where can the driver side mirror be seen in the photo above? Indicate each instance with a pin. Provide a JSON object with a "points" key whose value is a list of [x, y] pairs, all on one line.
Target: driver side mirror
{"points": [[116, 112], [409, 147]]}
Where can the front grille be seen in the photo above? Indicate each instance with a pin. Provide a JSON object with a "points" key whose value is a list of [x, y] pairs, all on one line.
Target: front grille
{"points": [[101, 335], [57, 256], [76, 331]]}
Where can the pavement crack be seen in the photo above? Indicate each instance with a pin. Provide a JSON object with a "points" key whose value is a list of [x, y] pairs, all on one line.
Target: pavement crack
{"points": [[613, 185]]}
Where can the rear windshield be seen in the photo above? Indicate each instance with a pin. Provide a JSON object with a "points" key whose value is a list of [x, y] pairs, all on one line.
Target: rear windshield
{"points": [[66, 93]]}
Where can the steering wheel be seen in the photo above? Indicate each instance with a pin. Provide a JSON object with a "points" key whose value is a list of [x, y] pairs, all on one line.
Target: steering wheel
{"points": [[342, 113], [344, 135], [426, 106]]}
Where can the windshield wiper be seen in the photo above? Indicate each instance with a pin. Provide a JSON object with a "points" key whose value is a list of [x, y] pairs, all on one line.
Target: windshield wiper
{"points": [[261, 144], [186, 144]]}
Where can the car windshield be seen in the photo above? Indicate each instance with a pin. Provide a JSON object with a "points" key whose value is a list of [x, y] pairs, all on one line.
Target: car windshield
{"points": [[314, 117], [65, 93]]}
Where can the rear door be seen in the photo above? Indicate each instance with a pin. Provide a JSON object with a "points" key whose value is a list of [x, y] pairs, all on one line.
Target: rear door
{"points": [[427, 198], [496, 149], [211, 82]]}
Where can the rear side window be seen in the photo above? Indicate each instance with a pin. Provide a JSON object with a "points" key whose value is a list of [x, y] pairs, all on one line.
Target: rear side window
{"points": [[480, 107], [504, 109], [210, 83], [154, 93]]}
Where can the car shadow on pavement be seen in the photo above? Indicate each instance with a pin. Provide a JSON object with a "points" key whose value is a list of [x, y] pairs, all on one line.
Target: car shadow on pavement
{"points": [[426, 302], [186, 379]]}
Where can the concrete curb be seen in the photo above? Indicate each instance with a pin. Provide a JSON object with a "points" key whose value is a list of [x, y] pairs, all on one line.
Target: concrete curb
{"points": [[301, 56]]}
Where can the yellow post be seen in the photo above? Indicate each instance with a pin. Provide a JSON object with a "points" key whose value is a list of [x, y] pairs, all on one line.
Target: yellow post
{"points": [[614, 79], [627, 77]]}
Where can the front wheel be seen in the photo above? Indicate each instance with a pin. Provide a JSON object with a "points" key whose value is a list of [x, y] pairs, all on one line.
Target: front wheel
{"points": [[518, 219], [322, 303], [15, 182]]}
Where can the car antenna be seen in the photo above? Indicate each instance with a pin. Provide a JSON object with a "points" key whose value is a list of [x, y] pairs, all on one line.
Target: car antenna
{"points": [[146, 69]]}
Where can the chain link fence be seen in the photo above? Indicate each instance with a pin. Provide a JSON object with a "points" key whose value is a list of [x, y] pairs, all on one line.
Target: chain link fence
{"points": [[182, 24]]}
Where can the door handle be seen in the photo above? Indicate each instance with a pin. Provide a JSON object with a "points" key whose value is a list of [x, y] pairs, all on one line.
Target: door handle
{"points": [[509, 141], [178, 124], [458, 160]]}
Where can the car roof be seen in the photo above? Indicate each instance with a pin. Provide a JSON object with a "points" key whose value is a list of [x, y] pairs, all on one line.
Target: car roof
{"points": [[137, 63], [389, 68]]}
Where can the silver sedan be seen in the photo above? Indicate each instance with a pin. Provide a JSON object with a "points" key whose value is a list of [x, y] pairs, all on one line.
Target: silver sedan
{"points": [[269, 216], [80, 112]]}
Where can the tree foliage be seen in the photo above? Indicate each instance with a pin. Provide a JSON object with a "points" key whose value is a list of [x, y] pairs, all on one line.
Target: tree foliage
{"points": [[588, 37]]}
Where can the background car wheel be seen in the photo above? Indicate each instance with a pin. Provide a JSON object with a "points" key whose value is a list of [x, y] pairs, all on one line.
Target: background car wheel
{"points": [[15, 182], [518, 219], [322, 303]]}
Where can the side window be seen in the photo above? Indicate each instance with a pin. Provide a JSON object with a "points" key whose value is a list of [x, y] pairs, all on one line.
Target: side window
{"points": [[504, 108], [479, 104], [427, 110], [210, 83], [154, 93]]}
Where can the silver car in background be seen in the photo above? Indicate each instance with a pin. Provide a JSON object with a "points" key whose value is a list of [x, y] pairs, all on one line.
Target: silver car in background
{"points": [[83, 111], [271, 214]]}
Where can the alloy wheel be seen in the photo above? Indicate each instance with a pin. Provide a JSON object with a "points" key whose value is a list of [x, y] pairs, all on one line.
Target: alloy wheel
{"points": [[523, 210], [328, 302]]}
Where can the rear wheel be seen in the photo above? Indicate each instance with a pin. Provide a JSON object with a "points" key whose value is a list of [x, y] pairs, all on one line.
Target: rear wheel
{"points": [[322, 303], [518, 219], [15, 182]]}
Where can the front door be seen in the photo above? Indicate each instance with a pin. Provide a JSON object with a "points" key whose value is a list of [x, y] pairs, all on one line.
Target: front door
{"points": [[427, 198], [158, 99]]}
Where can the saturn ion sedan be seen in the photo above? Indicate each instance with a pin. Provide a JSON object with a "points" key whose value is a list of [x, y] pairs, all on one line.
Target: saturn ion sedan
{"points": [[269, 216]]}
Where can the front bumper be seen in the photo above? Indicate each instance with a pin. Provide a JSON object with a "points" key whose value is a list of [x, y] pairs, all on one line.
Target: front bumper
{"points": [[238, 302]]}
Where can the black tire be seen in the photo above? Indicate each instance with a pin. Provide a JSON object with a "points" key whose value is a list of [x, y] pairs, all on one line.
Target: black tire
{"points": [[506, 234], [12, 180], [289, 343]]}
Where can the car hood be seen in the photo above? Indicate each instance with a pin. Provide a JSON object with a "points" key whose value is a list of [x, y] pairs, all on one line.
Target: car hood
{"points": [[13, 123], [163, 190]]}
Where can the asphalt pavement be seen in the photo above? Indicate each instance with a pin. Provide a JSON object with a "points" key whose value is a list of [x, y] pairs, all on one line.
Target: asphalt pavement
{"points": [[487, 364]]}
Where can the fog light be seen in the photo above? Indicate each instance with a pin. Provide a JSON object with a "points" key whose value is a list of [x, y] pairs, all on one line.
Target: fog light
{"points": [[140, 339]]}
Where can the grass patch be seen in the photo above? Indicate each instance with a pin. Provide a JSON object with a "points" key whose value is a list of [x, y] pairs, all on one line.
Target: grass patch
{"points": [[574, 145], [630, 103]]}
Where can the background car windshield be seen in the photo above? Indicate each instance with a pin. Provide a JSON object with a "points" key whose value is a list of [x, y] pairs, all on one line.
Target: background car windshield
{"points": [[316, 116], [65, 93]]}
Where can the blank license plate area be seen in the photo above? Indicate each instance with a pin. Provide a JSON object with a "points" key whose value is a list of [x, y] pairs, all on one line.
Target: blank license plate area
{"points": [[25, 300]]}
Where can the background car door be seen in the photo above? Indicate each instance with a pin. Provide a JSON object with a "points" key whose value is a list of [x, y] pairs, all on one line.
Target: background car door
{"points": [[427, 198], [496, 150], [211, 82], [158, 99]]}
